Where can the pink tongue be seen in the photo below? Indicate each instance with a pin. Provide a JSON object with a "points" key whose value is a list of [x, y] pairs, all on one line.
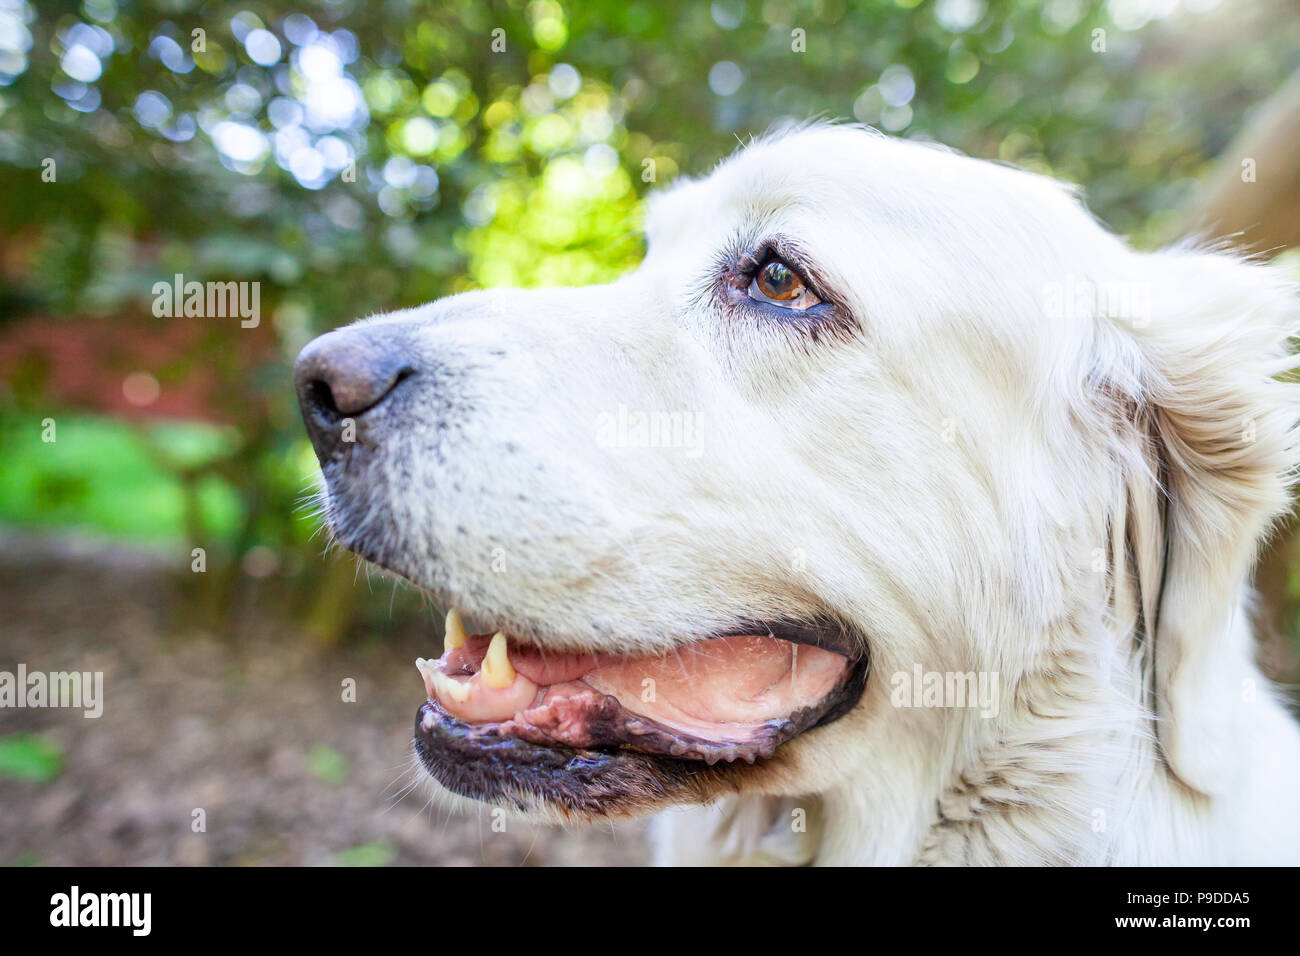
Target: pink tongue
{"points": [[549, 668], [727, 680]]}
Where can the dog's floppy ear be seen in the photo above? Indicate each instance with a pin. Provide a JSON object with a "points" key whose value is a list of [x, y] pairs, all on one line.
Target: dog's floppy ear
{"points": [[1209, 375]]}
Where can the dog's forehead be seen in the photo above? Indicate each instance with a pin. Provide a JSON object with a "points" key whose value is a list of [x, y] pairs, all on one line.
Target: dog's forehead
{"points": [[827, 175], [759, 183]]}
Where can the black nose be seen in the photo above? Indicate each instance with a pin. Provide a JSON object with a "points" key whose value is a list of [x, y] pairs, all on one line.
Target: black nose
{"points": [[346, 373]]}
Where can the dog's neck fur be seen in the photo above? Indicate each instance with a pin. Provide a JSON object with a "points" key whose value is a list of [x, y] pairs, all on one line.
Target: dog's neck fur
{"points": [[1073, 771], [1077, 777], [1070, 774]]}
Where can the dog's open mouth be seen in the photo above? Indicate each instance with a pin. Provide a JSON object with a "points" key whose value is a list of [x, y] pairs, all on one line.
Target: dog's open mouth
{"points": [[504, 709]]}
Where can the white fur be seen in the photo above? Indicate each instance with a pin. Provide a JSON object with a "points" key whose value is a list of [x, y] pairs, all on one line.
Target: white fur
{"points": [[1071, 498]]}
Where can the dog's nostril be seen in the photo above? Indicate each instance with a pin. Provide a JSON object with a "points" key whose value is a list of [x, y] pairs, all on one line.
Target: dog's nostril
{"points": [[320, 397], [353, 388], [343, 374], [402, 376]]}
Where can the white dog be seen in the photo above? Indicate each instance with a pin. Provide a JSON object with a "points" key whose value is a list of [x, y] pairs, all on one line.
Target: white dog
{"points": [[893, 511]]}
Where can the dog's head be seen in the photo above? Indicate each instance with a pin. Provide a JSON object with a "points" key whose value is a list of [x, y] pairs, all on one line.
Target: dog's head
{"points": [[868, 411]]}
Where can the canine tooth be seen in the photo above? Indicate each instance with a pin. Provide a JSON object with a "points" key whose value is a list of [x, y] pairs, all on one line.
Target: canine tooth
{"points": [[454, 633], [497, 670], [427, 673], [449, 687]]}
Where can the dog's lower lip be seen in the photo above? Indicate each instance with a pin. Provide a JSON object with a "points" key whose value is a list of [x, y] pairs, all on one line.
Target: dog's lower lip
{"points": [[505, 770]]}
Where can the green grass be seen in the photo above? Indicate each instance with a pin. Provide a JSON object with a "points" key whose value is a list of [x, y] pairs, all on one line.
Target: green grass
{"points": [[97, 476], [327, 764], [29, 757], [367, 854]]}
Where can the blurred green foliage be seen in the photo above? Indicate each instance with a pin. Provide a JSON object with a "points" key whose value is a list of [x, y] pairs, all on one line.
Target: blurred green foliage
{"points": [[357, 157]]}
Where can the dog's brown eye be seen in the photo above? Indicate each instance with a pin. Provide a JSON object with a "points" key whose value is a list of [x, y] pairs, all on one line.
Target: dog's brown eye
{"points": [[778, 284], [776, 280]]}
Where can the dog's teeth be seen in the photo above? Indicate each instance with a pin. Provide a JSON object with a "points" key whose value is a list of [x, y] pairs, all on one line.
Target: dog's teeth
{"points": [[428, 673], [497, 670], [448, 687], [454, 635]]}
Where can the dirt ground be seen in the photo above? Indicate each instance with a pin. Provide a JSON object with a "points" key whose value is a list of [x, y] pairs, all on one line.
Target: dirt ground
{"points": [[248, 726]]}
